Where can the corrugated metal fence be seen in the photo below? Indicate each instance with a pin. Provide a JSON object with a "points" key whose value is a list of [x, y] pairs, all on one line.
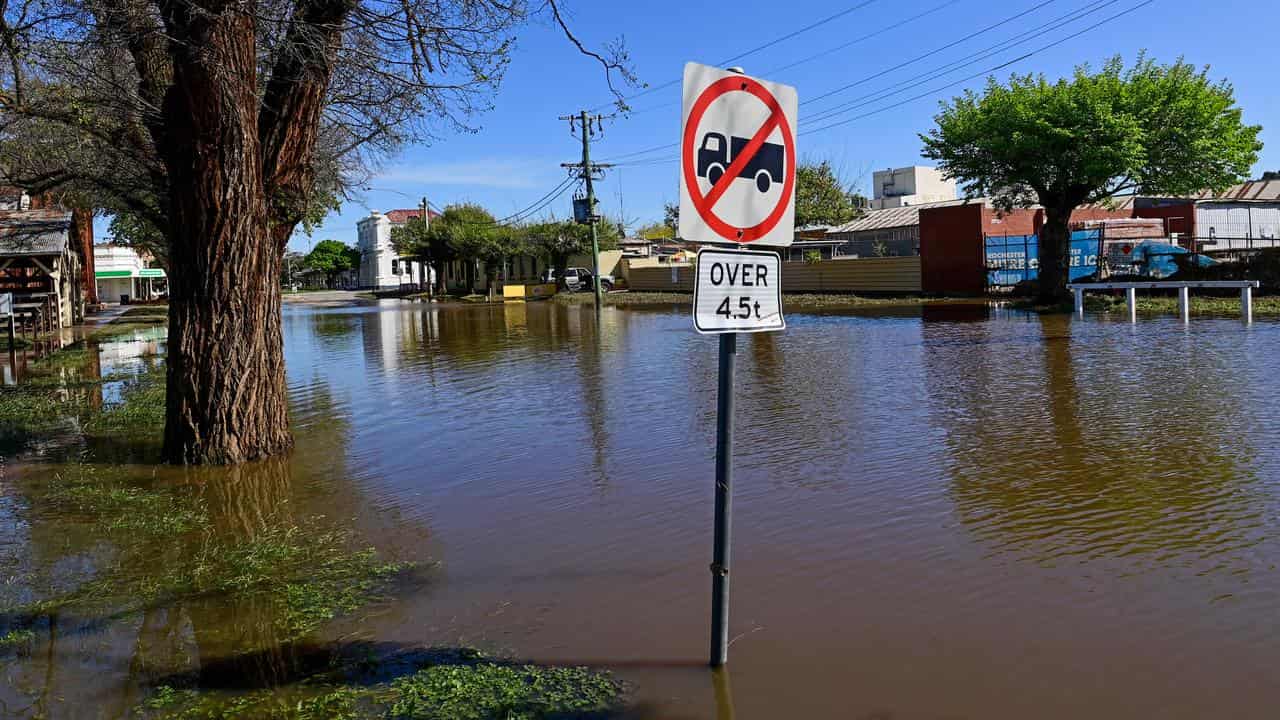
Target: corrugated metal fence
{"points": [[867, 275]]}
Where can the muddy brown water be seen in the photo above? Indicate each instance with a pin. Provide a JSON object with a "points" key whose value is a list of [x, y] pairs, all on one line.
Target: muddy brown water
{"points": [[940, 512]]}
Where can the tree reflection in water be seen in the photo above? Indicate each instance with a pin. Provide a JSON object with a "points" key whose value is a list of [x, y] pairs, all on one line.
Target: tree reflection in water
{"points": [[1062, 447]]}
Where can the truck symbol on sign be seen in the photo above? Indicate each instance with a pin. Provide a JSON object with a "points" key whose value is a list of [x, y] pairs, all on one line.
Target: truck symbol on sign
{"points": [[714, 158]]}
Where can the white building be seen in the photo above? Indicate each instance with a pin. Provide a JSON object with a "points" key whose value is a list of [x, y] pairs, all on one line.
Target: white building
{"points": [[121, 272], [381, 268], [915, 185]]}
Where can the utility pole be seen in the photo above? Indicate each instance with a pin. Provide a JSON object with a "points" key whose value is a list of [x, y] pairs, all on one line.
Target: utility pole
{"points": [[586, 172], [424, 267]]}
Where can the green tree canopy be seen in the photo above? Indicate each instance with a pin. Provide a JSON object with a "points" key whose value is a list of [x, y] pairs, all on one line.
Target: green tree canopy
{"points": [[332, 257], [822, 198], [656, 231], [1157, 129], [555, 241]]}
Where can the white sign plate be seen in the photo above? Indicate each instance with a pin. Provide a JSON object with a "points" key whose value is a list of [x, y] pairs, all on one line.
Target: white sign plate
{"points": [[737, 291], [6, 304], [737, 159]]}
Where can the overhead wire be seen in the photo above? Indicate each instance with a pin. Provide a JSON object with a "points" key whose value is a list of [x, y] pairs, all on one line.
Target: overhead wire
{"points": [[958, 64], [916, 81], [901, 65], [824, 53], [529, 211], [988, 71], [723, 63], [646, 162]]}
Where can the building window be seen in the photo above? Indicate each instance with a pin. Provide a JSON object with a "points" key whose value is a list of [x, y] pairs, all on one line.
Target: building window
{"points": [[395, 267]]}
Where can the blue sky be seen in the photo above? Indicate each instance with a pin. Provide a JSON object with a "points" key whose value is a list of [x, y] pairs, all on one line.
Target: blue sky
{"points": [[513, 159]]}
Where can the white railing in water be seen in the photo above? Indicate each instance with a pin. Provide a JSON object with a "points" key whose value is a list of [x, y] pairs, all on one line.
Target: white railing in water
{"points": [[1184, 294]]}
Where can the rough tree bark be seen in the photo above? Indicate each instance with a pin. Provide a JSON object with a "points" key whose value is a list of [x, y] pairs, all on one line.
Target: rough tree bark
{"points": [[226, 394], [226, 398], [1055, 253]]}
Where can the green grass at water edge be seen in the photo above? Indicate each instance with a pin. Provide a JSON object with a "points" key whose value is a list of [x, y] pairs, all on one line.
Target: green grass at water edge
{"points": [[473, 689], [796, 301], [298, 575], [1267, 306]]}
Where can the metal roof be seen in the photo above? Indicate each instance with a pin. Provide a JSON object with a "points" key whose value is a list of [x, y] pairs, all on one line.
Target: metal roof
{"points": [[1256, 190], [33, 232], [906, 216]]}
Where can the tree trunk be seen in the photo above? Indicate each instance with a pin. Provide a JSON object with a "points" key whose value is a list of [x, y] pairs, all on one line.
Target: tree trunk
{"points": [[226, 390], [1055, 253]]}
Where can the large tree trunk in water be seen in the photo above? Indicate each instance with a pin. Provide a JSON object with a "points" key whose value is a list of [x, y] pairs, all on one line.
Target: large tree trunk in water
{"points": [[226, 391], [1055, 252]]}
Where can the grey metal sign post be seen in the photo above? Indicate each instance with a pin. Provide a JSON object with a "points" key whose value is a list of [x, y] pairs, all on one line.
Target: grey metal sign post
{"points": [[737, 187], [733, 292]]}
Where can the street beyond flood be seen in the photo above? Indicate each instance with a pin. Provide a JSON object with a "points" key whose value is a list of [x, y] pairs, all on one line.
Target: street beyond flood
{"points": [[941, 511]]}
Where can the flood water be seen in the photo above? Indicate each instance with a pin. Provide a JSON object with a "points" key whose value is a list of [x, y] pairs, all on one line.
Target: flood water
{"points": [[940, 512]]}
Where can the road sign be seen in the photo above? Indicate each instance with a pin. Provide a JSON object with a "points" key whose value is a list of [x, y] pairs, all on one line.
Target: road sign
{"points": [[737, 159], [737, 291]]}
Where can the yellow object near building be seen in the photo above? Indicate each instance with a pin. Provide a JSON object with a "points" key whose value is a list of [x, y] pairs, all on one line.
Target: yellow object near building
{"points": [[528, 292]]}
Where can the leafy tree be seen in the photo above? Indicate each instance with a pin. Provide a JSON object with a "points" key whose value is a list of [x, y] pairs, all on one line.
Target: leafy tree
{"points": [[822, 198], [470, 233], [671, 217], [415, 239], [656, 231], [332, 257], [224, 125], [1156, 129], [138, 232], [293, 262], [555, 241]]}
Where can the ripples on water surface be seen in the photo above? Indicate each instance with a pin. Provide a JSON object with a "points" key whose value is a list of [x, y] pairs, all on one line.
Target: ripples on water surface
{"points": [[942, 512], [947, 512]]}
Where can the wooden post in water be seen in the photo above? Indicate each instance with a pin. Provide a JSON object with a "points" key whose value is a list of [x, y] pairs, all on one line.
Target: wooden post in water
{"points": [[1246, 304], [1131, 295], [1184, 304]]}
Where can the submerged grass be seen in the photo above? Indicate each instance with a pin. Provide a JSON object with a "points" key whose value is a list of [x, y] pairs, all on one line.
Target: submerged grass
{"points": [[466, 687], [198, 542]]}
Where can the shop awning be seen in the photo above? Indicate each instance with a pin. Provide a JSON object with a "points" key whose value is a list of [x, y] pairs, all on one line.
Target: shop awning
{"points": [[143, 273]]}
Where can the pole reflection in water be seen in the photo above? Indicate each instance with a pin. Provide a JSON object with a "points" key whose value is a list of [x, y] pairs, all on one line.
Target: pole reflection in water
{"points": [[1026, 516], [723, 693]]}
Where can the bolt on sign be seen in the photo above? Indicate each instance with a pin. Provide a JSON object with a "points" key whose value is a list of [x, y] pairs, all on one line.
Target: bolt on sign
{"points": [[737, 291], [737, 159]]}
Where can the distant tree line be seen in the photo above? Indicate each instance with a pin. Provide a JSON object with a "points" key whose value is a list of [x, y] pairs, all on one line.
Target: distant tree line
{"points": [[469, 233]]}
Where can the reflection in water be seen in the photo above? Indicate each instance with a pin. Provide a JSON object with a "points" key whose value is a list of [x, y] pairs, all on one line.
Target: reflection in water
{"points": [[1018, 510], [1058, 453]]}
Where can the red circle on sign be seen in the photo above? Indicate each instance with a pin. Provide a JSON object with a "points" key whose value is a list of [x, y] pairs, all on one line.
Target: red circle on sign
{"points": [[1126, 248], [708, 215]]}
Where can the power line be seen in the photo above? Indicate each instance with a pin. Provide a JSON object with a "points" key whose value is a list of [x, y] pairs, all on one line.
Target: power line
{"points": [[916, 59], [922, 78], [905, 85], [933, 52], [752, 51], [527, 212], [1001, 66], [828, 51]]}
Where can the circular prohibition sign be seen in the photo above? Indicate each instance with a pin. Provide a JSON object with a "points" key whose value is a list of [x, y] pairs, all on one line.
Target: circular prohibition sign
{"points": [[706, 203]]}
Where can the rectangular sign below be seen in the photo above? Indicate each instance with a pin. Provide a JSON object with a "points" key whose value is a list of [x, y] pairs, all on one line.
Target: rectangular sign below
{"points": [[6, 304], [737, 291]]}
